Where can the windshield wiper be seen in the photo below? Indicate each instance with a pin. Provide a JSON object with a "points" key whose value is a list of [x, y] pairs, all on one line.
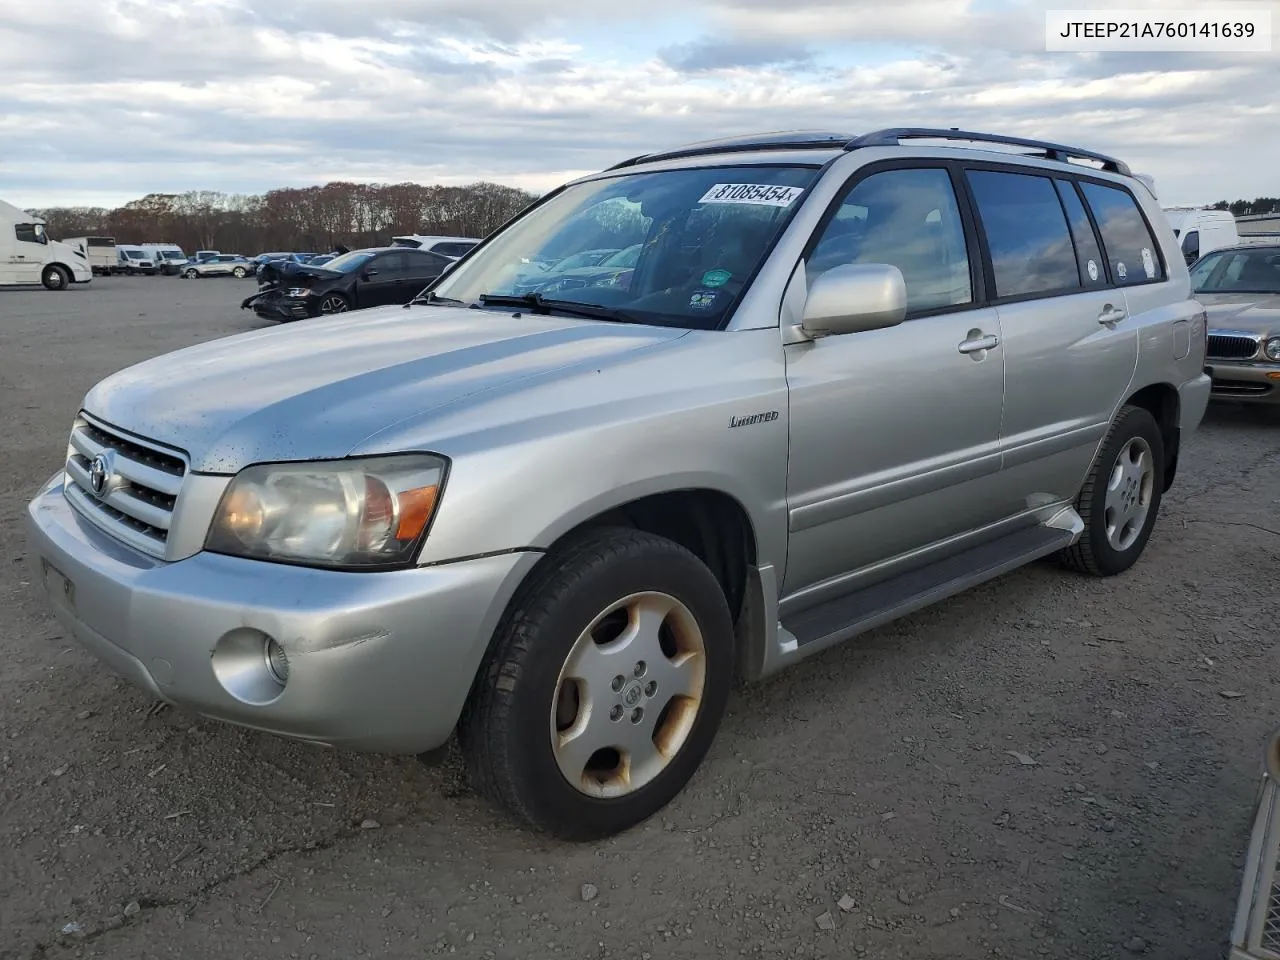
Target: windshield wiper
{"points": [[591, 311], [433, 299]]}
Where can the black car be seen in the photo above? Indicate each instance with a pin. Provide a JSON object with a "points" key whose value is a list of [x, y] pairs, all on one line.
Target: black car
{"points": [[361, 278]]}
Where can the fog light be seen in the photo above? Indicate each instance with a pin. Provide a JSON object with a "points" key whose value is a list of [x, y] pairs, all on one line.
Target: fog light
{"points": [[251, 666], [277, 662]]}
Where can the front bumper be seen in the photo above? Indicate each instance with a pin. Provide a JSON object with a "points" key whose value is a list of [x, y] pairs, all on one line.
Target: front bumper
{"points": [[273, 305], [1252, 381], [377, 661]]}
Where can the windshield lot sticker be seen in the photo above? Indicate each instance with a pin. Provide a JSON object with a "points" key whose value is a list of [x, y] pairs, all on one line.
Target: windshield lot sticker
{"points": [[703, 299], [763, 193], [716, 278], [1121, 272], [1093, 270], [1148, 263]]}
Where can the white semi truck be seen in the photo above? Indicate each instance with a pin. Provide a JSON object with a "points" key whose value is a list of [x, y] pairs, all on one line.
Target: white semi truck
{"points": [[27, 255]]}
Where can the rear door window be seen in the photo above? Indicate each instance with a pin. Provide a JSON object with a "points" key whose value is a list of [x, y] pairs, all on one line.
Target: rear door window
{"points": [[1089, 257], [1131, 250], [1027, 234]]}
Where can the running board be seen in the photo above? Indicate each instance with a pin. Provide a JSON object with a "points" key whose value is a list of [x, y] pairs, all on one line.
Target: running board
{"points": [[845, 617]]}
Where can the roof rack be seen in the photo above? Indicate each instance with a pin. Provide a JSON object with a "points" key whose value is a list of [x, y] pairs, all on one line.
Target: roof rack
{"points": [[781, 140], [890, 137], [894, 136]]}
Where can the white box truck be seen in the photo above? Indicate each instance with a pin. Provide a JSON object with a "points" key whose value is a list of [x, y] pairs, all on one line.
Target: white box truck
{"points": [[27, 255], [100, 252], [1200, 230]]}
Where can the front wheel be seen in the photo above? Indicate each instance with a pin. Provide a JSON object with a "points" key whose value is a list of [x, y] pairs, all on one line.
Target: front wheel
{"points": [[190, 274], [1121, 496], [55, 278], [604, 688], [333, 303]]}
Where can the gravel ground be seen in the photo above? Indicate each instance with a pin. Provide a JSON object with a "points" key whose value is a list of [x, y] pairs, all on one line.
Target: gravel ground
{"points": [[871, 802]]}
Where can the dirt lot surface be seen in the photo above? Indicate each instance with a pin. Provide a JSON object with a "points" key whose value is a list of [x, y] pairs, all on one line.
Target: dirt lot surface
{"points": [[1047, 766]]}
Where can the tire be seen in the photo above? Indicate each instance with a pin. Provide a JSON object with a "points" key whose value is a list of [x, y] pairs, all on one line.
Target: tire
{"points": [[1118, 522], [239, 273], [55, 277], [332, 303], [516, 731], [190, 274]]}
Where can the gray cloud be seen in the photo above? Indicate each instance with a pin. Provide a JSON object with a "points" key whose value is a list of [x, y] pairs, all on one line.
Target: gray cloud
{"points": [[712, 53]]}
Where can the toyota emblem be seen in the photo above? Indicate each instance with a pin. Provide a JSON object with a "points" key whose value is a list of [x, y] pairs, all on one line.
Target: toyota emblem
{"points": [[99, 474]]}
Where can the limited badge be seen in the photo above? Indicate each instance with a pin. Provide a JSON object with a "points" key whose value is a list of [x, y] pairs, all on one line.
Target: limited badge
{"points": [[1093, 270], [702, 300], [1121, 272], [716, 278], [1148, 263]]}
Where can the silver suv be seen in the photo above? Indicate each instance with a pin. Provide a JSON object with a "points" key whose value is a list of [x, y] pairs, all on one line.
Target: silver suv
{"points": [[845, 377]]}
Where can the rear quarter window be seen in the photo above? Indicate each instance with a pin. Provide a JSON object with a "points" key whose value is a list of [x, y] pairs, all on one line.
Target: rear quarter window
{"points": [[1130, 248]]}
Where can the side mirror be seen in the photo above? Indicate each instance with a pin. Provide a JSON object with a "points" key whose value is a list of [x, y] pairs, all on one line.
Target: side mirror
{"points": [[854, 298], [368, 274]]}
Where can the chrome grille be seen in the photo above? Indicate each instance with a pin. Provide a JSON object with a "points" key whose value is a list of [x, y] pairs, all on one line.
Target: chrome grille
{"points": [[141, 489], [1231, 346]]}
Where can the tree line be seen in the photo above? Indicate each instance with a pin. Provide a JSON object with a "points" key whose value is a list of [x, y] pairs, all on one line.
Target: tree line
{"points": [[292, 218], [1247, 208]]}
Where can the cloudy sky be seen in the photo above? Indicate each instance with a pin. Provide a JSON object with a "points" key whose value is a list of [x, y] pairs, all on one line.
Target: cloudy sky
{"points": [[107, 100]]}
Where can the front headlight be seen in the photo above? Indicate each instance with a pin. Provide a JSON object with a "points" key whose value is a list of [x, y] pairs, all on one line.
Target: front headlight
{"points": [[1272, 349], [299, 291], [370, 512]]}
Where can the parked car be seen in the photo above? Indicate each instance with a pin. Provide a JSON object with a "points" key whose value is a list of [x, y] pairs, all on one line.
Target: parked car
{"points": [[221, 265], [1240, 290], [351, 281], [452, 247], [613, 270], [561, 526]]}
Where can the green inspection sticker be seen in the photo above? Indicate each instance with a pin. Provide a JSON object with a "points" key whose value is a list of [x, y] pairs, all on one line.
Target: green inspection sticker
{"points": [[716, 278]]}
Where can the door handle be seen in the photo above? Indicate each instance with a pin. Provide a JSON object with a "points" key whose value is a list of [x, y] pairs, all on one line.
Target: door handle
{"points": [[1112, 314], [989, 342]]}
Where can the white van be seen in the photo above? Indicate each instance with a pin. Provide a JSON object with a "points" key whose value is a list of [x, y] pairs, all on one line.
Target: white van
{"points": [[1201, 231], [27, 255], [133, 259], [159, 253], [99, 251]]}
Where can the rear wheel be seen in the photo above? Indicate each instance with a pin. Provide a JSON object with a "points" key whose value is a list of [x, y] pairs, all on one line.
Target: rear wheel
{"points": [[55, 277], [239, 273], [1121, 496], [604, 688]]}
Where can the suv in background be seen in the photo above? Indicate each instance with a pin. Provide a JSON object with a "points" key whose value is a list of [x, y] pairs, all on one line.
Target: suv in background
{"points": [[451, 247], [846, 377]]}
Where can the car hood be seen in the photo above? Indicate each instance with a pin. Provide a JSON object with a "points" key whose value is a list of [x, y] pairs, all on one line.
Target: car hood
{"points": [[1246, 312], [317, 389]]}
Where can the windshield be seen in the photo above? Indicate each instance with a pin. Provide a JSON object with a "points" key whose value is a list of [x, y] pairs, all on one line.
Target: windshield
{"points": [[1238, 271], [133, 254], [686, 241], [349, 262]]}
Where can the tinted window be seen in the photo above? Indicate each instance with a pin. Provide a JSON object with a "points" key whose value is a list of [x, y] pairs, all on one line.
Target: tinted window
{"points": [[1191, 244], [28, 233], [907, 218], [1031, 250], [452, 249], [423, 264], [388, 265], [1093, 271], [1131, 250]]}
